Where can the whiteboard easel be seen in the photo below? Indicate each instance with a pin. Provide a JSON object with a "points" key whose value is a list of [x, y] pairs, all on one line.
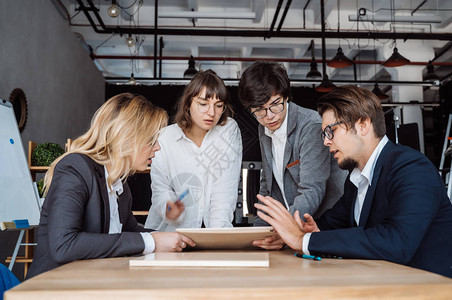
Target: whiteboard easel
{"points": [[18, 199]]}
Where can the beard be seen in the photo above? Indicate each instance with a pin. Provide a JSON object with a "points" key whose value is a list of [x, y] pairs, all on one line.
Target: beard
{"points": [[348, 164]]}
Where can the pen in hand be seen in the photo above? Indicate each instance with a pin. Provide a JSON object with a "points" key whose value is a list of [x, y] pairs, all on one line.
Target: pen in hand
{"points": [[311, 257], [179, 199], [183, 195]]}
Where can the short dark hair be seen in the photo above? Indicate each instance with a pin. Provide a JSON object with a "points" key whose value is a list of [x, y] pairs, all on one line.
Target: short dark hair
{"points": [[262, 80], [214, 88], [351, 104]]}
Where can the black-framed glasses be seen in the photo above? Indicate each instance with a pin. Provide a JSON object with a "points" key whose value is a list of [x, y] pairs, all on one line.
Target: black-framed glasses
{"points": [[275, 108], [204, 107], [328, 131]]}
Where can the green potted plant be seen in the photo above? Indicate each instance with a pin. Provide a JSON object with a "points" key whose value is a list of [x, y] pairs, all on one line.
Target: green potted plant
{"points": [[44, 154], [40, 185]]}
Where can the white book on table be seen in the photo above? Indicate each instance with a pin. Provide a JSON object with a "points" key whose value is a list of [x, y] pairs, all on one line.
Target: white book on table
{"points": [[202, 259]]}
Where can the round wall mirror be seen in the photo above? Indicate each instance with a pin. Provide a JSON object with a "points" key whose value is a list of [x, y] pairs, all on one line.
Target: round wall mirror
{"points": [[19, 102]]}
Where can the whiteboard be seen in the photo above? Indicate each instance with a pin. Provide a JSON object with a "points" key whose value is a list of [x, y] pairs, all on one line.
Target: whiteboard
{"points": [[18, 199]]}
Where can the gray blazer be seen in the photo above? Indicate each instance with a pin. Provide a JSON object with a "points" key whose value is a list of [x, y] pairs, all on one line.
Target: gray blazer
{"points": [[75, 218], [313, 182]]}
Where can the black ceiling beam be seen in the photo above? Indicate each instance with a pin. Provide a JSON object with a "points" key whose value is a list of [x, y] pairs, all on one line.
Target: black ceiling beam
{"points": [[94, 9], [155, 35], [304, 13], [419, 6], [322, 16], [283, 17], [282, 34], [293, 82], [275, 17], [260, 33]]}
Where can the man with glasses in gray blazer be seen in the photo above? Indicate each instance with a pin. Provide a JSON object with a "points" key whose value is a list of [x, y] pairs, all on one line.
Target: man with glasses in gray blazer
{"points": [[297, 169]]}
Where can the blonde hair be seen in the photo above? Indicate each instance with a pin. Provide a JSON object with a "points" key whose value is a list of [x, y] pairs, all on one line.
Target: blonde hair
{"points": [[119, 130]]}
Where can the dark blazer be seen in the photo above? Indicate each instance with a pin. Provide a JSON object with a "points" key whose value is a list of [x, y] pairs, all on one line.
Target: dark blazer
{"points": [[75, 218], [313, 182], [406, 216]]}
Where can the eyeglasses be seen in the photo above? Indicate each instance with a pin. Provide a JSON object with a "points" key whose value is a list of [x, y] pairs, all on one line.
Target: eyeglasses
{"points": [[204, 107], [275, 108], [328, 131]]}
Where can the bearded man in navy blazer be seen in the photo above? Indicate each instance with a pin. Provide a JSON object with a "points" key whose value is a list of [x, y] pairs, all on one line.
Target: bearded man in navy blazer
{"points": [[394, 205]]}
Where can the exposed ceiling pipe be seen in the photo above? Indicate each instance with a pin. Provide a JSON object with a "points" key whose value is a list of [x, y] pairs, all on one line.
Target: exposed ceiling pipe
{"points": [[156, 10], [398, 19], [280, 34], [275, 16], [255, 33], [207, 15], [251, 59], [161, 46], [292, 82], [419, 6], [94, 9], [304, 13], [283, 18], [322, 14]]}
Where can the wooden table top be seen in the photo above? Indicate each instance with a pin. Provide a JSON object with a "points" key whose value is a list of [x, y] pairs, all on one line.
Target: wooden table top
{"points": [[288, 277]]}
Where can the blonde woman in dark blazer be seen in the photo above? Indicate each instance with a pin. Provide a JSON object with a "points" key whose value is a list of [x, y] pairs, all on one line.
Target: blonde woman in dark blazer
{"points": [[87, 212]]}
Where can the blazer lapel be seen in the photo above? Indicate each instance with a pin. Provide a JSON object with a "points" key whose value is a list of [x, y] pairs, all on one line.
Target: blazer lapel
{"points": [[291, 125], [266, 143], [354, 194], [104, 194], [368, 200]]}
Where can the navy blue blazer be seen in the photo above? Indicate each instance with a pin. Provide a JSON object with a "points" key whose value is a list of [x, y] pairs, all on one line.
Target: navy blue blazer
{"points": [[406, 216], [75, 218]]}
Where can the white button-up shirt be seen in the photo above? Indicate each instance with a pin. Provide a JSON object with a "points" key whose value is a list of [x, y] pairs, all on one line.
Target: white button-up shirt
{"points": [[279, 138], [362, 180], [115, 223], [210, 172]]}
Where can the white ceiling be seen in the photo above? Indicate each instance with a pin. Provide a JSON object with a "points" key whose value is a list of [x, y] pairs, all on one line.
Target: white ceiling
{"points": [[230, 55]]}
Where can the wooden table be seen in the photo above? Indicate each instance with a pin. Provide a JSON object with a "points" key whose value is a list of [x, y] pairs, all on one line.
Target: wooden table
{"points": [[288, 277]]}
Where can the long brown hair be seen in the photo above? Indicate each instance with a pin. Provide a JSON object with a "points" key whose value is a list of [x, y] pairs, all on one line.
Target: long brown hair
{"points": [[119, 129]]}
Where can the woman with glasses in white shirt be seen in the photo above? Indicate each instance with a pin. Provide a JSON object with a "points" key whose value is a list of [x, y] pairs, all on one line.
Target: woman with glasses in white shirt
{"points": [[195, 179]]}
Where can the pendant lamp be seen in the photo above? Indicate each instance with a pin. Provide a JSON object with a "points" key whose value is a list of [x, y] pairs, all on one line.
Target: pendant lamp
{"points": [[191, 71], [396, 60], [113, 10], [340, 60], [325, 86], [313, 73], [379, 93], [132, 80], [430, 75]]}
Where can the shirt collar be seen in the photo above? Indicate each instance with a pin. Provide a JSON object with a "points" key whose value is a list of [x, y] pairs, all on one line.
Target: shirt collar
{"points": [[368, 171], [281, 132], [179, 133], [116, 187]]}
